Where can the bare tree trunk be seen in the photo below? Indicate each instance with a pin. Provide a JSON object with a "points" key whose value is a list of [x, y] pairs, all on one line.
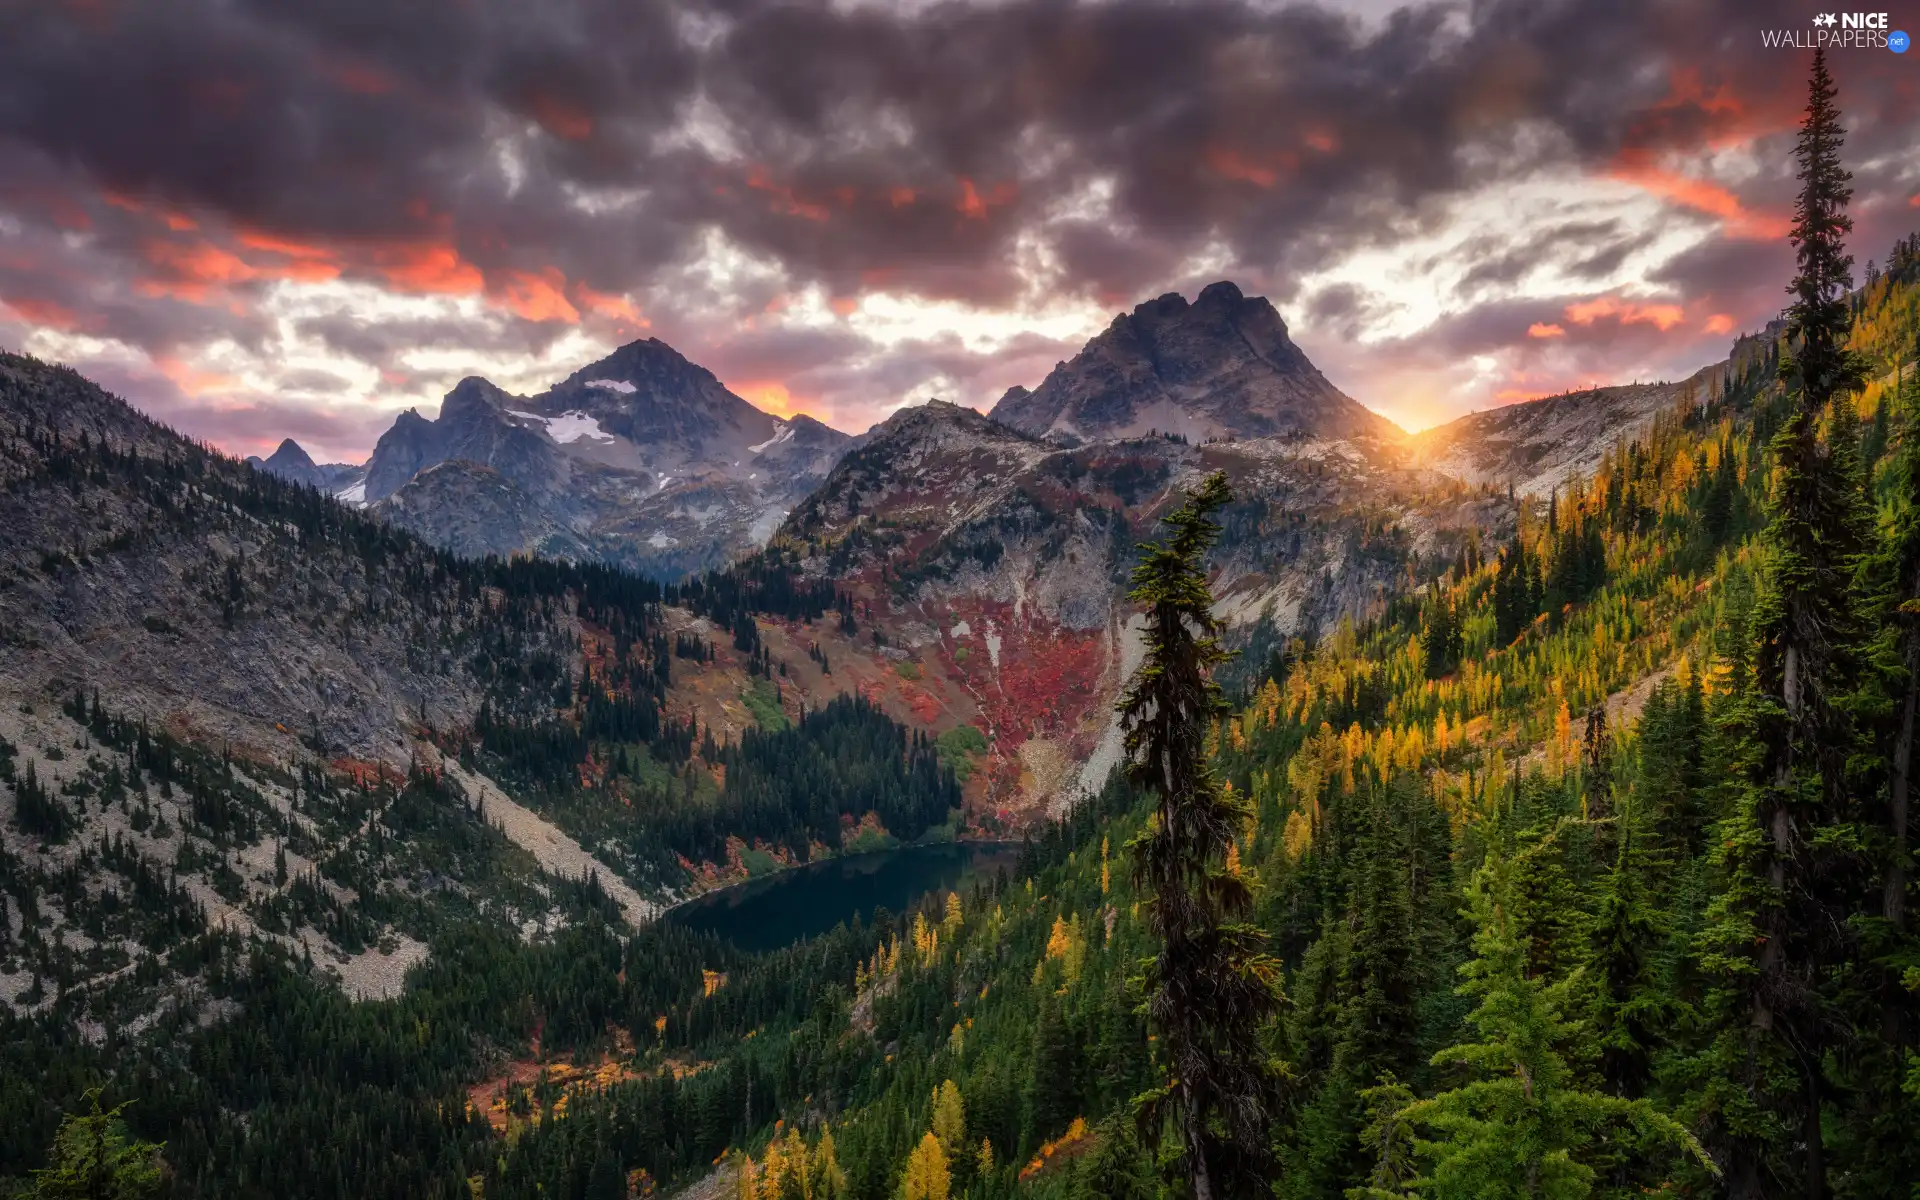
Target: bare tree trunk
{"points": [[1196, 1135]]}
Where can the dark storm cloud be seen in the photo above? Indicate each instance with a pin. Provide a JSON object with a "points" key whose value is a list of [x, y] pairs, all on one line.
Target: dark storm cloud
{"points": [[383, 341], [868, 139], [166, 158]]}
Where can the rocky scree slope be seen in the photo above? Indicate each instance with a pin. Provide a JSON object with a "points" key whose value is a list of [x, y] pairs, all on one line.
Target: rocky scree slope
{"points": [[217, 693]]}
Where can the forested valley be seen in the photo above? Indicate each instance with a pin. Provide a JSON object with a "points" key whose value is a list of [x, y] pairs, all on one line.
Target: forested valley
{"points": [[1583, 868]]}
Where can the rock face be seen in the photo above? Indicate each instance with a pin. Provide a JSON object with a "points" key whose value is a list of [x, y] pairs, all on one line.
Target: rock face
{"points": [[476, 510], [472, 426], [995, 563], [1221, 367], [642, 459]]}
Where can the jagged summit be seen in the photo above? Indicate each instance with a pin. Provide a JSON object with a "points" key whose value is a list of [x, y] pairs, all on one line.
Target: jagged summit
{"points": [[1219, 367], [641, 457]]}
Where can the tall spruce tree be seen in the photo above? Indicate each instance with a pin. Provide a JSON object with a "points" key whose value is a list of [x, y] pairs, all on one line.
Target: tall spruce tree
{"points": [[1882, 1001], [1901, 559], [1782, 931], [1212, 986]]}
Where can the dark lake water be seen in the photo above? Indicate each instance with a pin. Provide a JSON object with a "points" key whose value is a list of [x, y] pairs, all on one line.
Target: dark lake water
{"points": [[778, 910]]}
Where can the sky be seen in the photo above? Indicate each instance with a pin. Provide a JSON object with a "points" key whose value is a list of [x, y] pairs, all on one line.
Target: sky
{"points": [[267, 218]]}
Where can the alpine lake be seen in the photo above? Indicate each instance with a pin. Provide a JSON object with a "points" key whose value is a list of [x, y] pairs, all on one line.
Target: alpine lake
{"points": [[788, 906]]}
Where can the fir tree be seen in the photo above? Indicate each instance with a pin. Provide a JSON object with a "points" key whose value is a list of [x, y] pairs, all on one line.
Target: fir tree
{"points": [[93, 1159], [1900, 555], [1522, 1126], [1786, 897], [1212, 986], [1630, 1004]]}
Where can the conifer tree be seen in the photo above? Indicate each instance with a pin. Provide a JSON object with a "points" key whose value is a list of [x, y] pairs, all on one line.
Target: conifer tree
{"points": [[949, 1124], [1882, 999], [1212, 987], [1630, 1005], [1782, 926], [1901, 557], [93, 1159], [928, 1176], [1522, 1126]]}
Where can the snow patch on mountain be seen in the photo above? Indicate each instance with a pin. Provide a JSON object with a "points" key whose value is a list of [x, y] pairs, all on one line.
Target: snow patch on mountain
{"points": [[355, 495], [613, 385], [782, 432], [569, 426]]}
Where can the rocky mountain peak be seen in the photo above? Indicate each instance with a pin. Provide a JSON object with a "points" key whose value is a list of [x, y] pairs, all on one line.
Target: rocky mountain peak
{"points": [[290, 454], [647, 391], [1222, 366]]}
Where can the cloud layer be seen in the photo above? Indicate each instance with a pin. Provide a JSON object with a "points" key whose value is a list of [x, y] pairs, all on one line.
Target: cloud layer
{"points": [[270, 217]]}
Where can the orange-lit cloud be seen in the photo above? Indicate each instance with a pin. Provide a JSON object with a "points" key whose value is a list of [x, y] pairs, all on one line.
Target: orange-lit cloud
{"points": [[971, 205], [1638, 168], [189, 270], [1230, 164], [173, 219], [900, 197], [428, 267], [1719, 323], [1540, 329], [1661, 316], [43, 312], [537, 295], [273, 244], [974, 206], [1517, 395], [192, 271], [608, 304], [564, 120], [191, 380], [786, 199]]}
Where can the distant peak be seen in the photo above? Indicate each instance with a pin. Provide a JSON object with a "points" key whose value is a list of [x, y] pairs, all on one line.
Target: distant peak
{"points": [[290, 454]]}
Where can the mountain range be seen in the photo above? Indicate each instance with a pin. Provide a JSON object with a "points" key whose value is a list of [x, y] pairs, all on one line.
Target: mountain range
{"points": [[989, 554], [641, 459], [645, 460]]}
